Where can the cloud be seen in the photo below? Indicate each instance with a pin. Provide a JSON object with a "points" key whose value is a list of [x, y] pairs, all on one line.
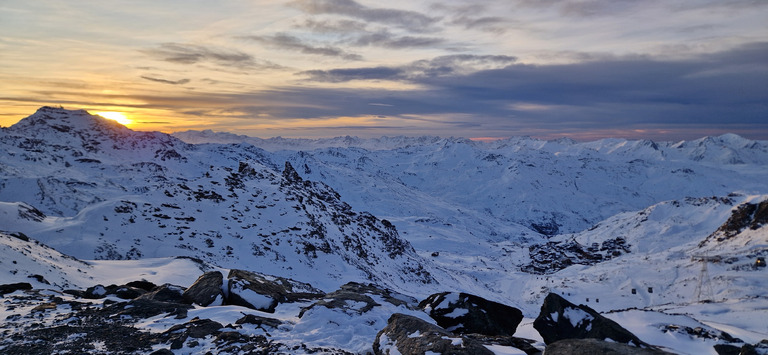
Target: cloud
{"points": [[185, 53], [472, 16], [487, 23], [598, 8], [723, 91], [171, 82], [388, 40], [288, 42], [327, 26], [411, 20], [349, 74], [356, 33], [439, 66], [472, 95]]}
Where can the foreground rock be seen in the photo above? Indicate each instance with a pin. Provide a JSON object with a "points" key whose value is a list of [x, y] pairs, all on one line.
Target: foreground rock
{"points": [[206, 290], [560, 319], [594, 346], [357, 298], [463, 313], [406, 334], [8, 288], [262, 292]]}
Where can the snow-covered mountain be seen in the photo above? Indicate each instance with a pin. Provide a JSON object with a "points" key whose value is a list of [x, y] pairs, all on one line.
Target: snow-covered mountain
{"points": [[101, 191], [625, 227]]}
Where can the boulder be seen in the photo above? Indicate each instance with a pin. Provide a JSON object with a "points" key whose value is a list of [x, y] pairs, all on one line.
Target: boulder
{"points": [[145, 308], [165, 293], [463, 313], [262, 292], [206, 289], [197, 328], [597, 347], [526, 345], [355, 298], [745, 349], [8, 288], [259, 321], [142, 284], [560, 319], [406, 334], [95, 292], [128, 292]]}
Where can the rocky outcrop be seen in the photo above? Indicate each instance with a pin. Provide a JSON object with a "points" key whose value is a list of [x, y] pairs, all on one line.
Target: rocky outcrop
{"points": [[356, 298], [553, 256], [257, 291], [126, 292], [748, 215], [745, 349], [594, 346], [560, 319], [206, 290], [8, 288], [406, 334], [165, 293], [463, 313]]}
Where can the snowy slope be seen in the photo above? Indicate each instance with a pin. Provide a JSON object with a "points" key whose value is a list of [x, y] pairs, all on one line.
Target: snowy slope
{"points": [[509, 220], [106, 192]]}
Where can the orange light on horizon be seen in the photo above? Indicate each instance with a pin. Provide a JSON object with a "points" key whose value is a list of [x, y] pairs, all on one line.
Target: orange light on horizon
{"points": [[487, 139], [120, 117]]}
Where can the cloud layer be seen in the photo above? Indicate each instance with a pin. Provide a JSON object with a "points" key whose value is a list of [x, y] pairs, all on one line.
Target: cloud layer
{"points": [[579, 68]]}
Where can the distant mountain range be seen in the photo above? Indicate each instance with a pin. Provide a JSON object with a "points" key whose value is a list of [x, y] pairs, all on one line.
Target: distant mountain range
{"points": [[614, 223]]}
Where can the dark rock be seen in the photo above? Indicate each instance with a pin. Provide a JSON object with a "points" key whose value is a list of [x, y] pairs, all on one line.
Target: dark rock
{"points": [[246, 288], [20, 235], [8, 288], [206, 289], [727, 349], [39, 279], [463, 313], [142, 284], [165, 293], [553, 256], [145, 308], [76, 293], [596, 347], [760, 348], [44, 307], [358, 292], [560, 319], [701, 333], [95, 292], [231, 342], [259, 321], [197, 328], [410, 335], [523, 344], [290, 174], [162, 352], [128, 293], [748, 215]]}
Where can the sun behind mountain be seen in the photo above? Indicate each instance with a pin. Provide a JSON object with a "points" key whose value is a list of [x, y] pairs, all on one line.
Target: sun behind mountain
{"points": [[120, 117]]}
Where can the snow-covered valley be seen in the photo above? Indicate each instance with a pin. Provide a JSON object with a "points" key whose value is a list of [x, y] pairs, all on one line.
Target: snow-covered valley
{"points": [[663, 238]]}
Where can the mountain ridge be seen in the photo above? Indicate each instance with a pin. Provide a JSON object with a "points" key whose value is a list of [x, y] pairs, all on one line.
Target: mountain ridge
{"points": [[614, 224]]}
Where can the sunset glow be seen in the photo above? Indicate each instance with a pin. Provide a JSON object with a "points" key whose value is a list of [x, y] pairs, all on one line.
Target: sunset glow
{"points": [[324, 68], [120, 117]]}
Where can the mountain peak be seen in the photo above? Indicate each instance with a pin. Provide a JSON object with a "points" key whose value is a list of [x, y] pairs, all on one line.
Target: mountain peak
{"points": [[64, 120], [80, 130]]}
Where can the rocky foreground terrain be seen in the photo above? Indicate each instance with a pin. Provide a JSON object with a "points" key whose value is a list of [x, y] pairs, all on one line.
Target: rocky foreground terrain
{"points": [[251, 313]]}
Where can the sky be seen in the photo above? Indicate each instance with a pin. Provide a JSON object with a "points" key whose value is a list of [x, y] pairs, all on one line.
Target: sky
{"points": [[584, 69]]}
